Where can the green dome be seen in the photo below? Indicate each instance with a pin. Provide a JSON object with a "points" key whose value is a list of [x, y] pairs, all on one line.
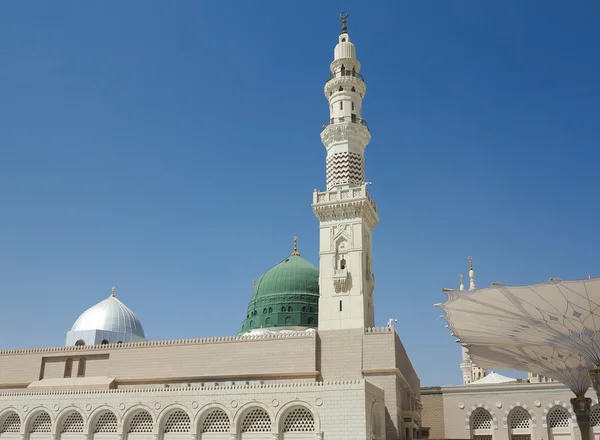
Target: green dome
{"points": [[287, 295]]}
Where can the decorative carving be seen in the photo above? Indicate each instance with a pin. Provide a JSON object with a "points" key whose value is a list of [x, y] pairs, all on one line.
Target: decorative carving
{"points": [[346, 82], [362, 208], [340, 285], [341, 131]]}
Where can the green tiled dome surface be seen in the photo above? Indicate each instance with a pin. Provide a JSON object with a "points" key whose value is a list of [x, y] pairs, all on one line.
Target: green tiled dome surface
{"points": [[292, 275], [287, 295]]}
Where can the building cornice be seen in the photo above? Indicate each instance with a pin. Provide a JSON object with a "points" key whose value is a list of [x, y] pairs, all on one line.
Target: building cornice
{"points": [[152, 344], [192, 390], [519, 387]]}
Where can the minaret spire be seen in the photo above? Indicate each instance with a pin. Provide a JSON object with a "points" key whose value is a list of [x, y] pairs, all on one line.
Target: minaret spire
{"points": [[112, 293], [462, 286], [472, 285], [346, 281], [344, 17]]}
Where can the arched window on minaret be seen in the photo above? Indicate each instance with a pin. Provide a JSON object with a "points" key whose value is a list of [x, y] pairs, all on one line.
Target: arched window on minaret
{"points": [[343, 263], [343, 70]]}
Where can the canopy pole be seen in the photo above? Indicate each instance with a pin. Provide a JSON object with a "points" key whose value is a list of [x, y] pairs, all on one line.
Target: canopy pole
{"points": [[582, 406]]}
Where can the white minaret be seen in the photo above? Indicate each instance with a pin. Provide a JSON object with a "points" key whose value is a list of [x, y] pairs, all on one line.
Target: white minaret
{"points": [[471, 372], [346, 212]]}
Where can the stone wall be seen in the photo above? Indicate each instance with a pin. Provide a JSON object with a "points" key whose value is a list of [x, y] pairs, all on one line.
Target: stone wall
{"points": [[334, 408]]}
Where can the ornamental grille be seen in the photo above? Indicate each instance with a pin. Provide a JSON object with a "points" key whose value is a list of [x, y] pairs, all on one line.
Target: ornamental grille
{"points": [[141, 422], [520, 437], [519, 419], [344, 168], [558, 418], [178, 421], [256, 420], [299, 420], [482, 437], [216, 421], [107, 422], [595, 416], [481, 419], [12, 423], [41, 423], [73, 423]]}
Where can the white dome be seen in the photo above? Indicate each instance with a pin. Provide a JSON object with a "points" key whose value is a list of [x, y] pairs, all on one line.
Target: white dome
{"points": [[110, 315]]}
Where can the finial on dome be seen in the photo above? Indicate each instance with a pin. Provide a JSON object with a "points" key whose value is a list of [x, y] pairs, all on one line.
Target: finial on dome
{"points": [[296, 253], [112, 293], [472, 285], [462, 286], [344, 17]]}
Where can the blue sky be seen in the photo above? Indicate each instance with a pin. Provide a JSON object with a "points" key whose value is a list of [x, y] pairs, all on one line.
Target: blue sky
{"points": [[171, 148]]}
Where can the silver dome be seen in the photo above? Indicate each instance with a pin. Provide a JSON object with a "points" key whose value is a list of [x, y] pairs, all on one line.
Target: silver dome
{"points": [[110, 315]]}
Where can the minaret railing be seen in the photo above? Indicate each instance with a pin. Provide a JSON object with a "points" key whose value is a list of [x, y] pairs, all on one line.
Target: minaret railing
{"points": [[342, 119], [346, 73]]}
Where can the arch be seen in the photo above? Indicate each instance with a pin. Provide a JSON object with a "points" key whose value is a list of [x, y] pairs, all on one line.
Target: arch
{"points": [[70, 421], [213, 419], [300, 420], [517, 405], [311, 320], [79, 343], [559, 422], [268, 320], [476, 407], [566, 407], [10, 422], [175, 419], [481, 424], [519, 423], [244, 411], [103, 420], [104, 342], [39, 421], [594, 419], [288, 319], [138, 420]]}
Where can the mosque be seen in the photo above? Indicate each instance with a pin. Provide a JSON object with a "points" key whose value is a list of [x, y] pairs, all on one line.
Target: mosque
{"points": [[308, 362]]}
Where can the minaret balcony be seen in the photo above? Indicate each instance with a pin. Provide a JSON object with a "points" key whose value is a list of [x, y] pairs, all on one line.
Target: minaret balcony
{"points": [[343, 203], [345, 119], [346, 74]]}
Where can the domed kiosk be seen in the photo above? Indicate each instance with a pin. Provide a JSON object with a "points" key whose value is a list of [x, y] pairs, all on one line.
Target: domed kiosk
{"points": [[108, 322], [286, 297]]}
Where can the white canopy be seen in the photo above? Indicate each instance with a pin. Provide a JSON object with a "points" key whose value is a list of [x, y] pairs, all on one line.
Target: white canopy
{"points": [[552, 328], [493, 378]]}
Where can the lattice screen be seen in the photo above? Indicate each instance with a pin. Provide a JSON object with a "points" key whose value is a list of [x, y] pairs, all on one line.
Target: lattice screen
{"points": [[107, 422], [482, 437], [558, 418], [216, 421], [73, 423], [299, 420], [178, 421], [595, 416], [41, 423], [256, 420], [481, 419], [12, 423], [141, 422], [519, 418]]}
